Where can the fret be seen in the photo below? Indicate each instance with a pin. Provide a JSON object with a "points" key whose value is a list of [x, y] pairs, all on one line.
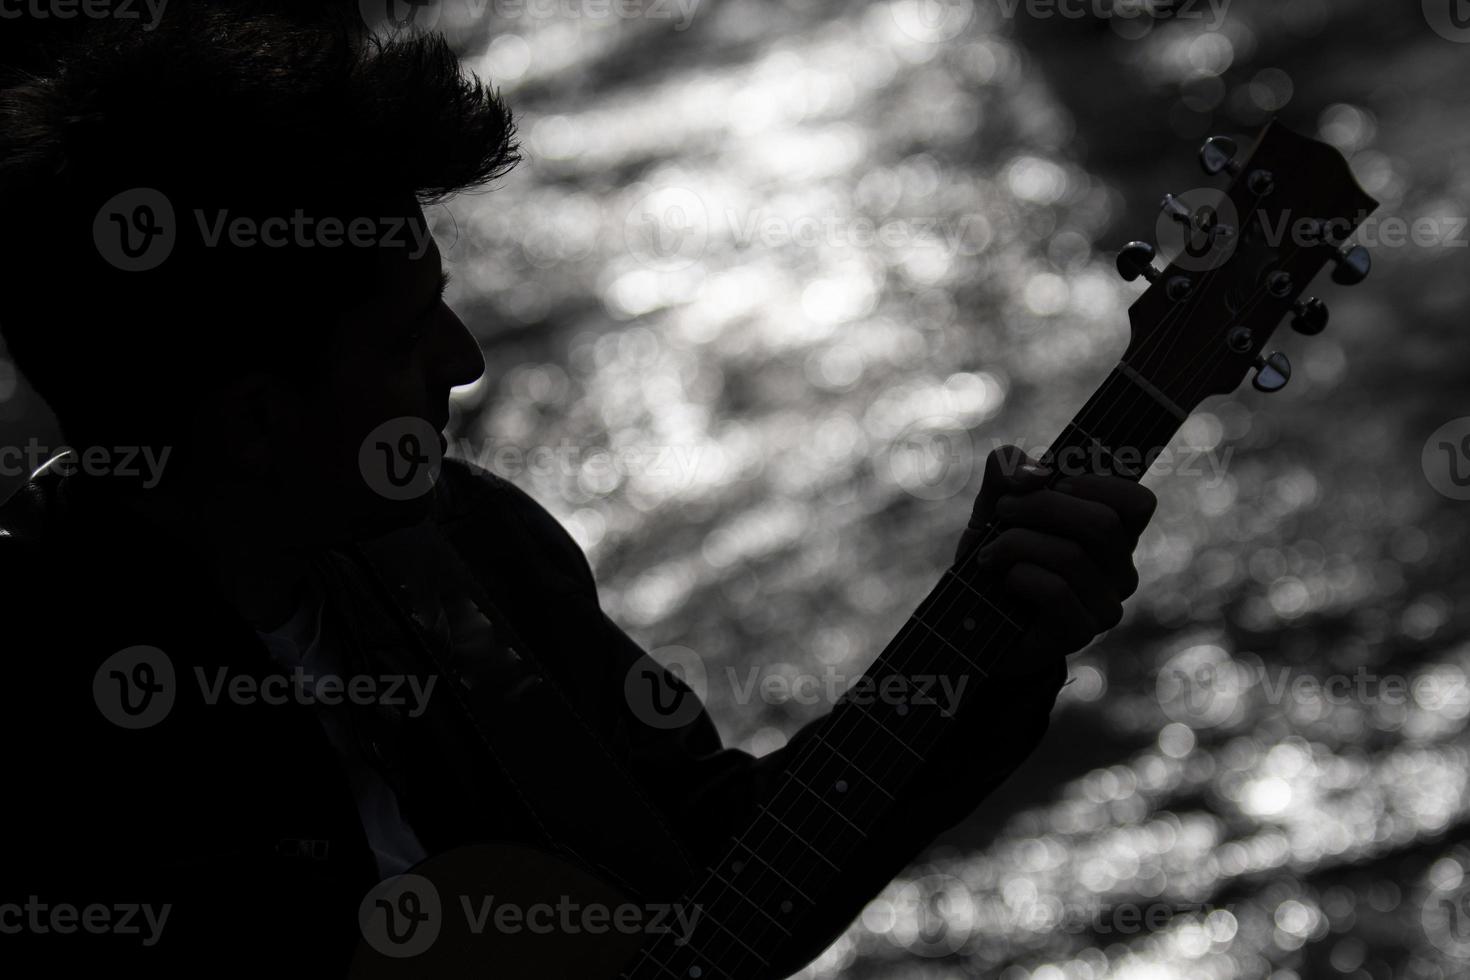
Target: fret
{"points": [[944, 641], [1058, 458], [818, 740], [772, 869], [805, 843], [964, 627], [1126, 370], [840, 815], [706, 916], [951, 573], [664, 969], [730, 888], [863, 712], [646, 956]]}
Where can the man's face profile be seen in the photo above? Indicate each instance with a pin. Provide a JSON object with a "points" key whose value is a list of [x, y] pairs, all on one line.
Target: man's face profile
{"points": [[353, 445]]}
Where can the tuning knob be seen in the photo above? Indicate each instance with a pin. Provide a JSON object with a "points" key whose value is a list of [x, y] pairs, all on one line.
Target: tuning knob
{"points": [[1272, 372], [1311, 316], [1353, 265], [1137, 259], [1177, 211], [1218, 156]]}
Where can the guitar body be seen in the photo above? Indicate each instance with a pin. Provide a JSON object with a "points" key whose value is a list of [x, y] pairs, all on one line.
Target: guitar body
{"points": [[500, 910]]}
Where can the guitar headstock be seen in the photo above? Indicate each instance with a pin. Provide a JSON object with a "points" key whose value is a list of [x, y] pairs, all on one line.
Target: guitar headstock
{"points": [[1243, 259]]}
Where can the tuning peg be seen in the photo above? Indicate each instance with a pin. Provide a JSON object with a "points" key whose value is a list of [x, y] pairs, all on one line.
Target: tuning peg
{"points": [[1137, 259], [1218, 156], [1280, 284], [1272, 373], [1353, 265], [1311, 316], [1177, 211]]}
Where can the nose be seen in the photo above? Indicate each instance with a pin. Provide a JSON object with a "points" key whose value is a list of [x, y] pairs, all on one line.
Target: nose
{"points": [[461, 360]]}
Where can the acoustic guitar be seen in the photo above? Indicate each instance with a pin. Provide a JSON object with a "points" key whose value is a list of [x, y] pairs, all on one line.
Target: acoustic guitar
{"points": [[1244, 257]]}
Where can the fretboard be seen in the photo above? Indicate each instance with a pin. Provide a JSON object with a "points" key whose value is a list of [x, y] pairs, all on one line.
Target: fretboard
{"points": [[857, 763]]}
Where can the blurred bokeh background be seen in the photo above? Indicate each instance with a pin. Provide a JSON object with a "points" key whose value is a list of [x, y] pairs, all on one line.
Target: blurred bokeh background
{"points": [[775, 276]]}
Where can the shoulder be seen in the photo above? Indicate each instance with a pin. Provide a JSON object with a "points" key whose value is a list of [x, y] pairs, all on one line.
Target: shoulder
{"points": [[470, 500]]}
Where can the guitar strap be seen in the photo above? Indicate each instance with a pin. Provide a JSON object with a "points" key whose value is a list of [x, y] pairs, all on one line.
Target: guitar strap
{"points": [[560, 770]]}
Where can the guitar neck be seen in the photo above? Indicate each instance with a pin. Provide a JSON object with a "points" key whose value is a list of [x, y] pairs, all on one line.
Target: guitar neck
{"points": [[848, 774], [1197, 331]]}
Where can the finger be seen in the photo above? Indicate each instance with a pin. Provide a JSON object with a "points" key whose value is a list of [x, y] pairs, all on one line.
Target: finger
{"points": [[1008, 471], [1134, 503], [1096, 527], [1060, 621], [1063, 558]]}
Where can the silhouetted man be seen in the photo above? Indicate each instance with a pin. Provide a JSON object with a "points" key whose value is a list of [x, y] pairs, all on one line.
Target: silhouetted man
{"points": [[217, 272]]}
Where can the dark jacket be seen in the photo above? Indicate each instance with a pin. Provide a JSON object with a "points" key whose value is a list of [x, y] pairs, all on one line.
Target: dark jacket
{"points": [[239, 814]]}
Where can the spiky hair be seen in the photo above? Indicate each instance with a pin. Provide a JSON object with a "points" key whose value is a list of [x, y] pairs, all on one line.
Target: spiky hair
{"points": [[222, 105]]}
